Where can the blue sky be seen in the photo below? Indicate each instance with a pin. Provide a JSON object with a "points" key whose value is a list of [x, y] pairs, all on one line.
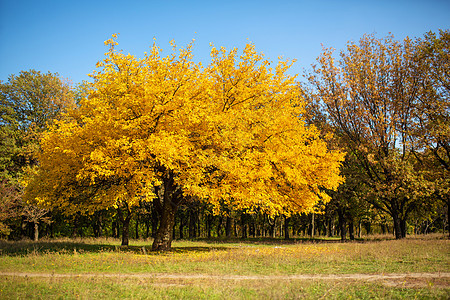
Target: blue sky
{"points": [[67, 36]]}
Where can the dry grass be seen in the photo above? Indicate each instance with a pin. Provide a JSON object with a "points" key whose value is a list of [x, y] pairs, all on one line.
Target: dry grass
{"points": [[267, 258]]}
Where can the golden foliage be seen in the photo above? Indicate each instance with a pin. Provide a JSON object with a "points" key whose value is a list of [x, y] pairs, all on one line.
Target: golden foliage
{"points": [[230, 132]]}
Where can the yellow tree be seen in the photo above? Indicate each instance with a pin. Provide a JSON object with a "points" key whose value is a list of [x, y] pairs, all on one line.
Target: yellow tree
{"points": [[166, 129]]}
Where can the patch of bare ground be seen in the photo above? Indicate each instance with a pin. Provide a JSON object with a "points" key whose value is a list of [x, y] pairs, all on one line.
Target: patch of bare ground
{"points": [[404, 280]]}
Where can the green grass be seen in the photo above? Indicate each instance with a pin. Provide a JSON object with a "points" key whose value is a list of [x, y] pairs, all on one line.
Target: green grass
{"points": [[126, 288], [100, 256], [217, 258]]}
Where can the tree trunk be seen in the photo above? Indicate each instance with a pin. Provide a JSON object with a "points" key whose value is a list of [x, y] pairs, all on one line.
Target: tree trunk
{"points": [[181, 229], [192, 223], [97, 224], [359, 228], [403, 227], [228, 227], [174, 236], [170, 199], [272, 229], [448, 216], [312, 225], [137, 227], [286, 228], [341, 224], [351, 230], [219, 226], [125, 232], [147, 228], [75, 227], [397, 227], [209, 220], [244, 226], [125, 224], [52, 230], [244, 231], [36, 231], [397, 224], [115, 229], [329, 227], [163, 239], [155, 221], [252, 228], [100, 225]]}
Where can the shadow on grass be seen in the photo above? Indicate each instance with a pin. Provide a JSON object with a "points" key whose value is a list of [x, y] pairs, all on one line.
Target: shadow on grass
{"points": [[48, 246], [276, 241], [96, 245], [27, 247]]}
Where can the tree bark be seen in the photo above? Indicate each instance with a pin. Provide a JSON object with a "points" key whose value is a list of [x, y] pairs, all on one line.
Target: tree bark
{"points": [[403, 227], [342, 224], [209, 220], [243, 226], [252, 228], [115, 229], [155, 221], [170, 200], [395, 214], [163, 239], [397, 226], [228, 227], [125, 220], [286, 228], [97, 224], [351, 230], [181, 230], [329, 227], [137, 227], [125, 232], [36, 231], [147, 228], [75, 227], [219, 226], [192, 223]]}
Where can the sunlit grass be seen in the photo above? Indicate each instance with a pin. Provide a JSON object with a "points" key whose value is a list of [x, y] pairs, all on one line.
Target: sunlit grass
{"points": [[215, 259], [136, 288], [235, 257]]}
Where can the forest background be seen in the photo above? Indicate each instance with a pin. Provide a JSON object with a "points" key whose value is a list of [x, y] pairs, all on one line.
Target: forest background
{"points": [[385, 101]]}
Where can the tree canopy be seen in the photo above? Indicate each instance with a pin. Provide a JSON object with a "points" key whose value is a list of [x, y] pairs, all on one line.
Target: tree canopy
{"points": [[377, 97], [28, 102], [166, 128]]}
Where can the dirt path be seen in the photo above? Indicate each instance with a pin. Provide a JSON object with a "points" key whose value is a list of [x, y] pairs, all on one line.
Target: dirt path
{"points": [[365, 277]]}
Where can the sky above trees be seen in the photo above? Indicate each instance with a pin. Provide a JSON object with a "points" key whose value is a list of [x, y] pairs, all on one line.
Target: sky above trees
{"points": [[67, 36]]}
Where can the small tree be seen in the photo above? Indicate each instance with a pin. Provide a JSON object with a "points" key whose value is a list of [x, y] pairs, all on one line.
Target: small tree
{"points": [[9, 205]]}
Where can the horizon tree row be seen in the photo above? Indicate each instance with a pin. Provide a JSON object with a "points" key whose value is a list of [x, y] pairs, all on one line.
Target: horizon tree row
{"points": [[195, 220]]}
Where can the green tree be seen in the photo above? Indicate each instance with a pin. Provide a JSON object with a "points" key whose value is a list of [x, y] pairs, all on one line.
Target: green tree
{"points": [[432, 112], [369, 96], [28, 102], [431, 134]]}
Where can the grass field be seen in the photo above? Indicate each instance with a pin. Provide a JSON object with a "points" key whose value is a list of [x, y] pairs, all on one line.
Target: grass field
{"points": [[253, 269]]}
